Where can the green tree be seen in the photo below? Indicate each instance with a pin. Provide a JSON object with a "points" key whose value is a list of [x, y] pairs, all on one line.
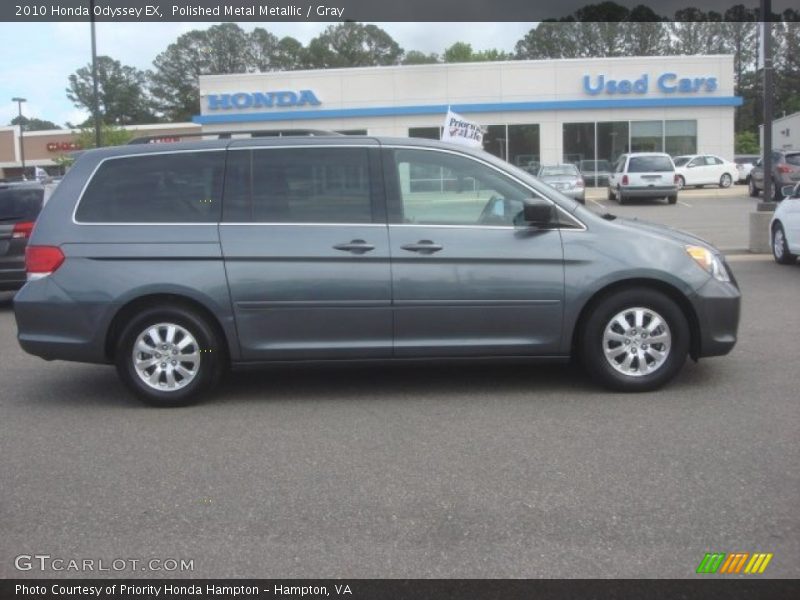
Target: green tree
{"points": [[415, 57], [33, 124], [122, 92], [353, 45], [110, 135], [220, 49], [746, 142], [550, 39]]}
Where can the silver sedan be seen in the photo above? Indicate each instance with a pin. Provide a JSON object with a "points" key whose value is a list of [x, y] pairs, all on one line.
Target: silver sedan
{"points": [[567, 179]]}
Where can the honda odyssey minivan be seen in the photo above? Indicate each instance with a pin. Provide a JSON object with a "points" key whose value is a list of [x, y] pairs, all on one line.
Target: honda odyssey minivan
{"points": [[175, 263]]}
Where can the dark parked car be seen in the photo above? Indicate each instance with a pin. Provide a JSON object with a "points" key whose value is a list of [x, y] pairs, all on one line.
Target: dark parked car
{"points": [[595, 172], [785, 171], [173, 263], [20, 204]]}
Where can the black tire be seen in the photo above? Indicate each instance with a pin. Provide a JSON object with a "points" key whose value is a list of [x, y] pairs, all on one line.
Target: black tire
{"points": [[672, 199], [209, 349], [751, 188], [780, 249], [592, 351], [680, 181], [725, 181], [620, 197]]}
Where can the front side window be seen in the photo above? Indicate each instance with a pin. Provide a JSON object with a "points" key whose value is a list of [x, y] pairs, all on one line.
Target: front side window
{"points": [[298, 185], [181, 187], [439, 188]]}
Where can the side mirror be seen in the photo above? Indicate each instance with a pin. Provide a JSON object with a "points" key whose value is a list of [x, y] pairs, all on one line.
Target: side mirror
{"points": [[787, 191], [539, 213]]}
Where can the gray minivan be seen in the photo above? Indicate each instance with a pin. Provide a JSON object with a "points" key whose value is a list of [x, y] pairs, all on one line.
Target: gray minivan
{"points": [[175, 263]]}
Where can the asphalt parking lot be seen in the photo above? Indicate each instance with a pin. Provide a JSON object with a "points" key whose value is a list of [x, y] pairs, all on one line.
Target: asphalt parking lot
{"points": [[438, 471]]}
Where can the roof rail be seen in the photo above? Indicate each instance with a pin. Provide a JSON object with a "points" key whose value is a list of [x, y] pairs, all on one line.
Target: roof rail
{"points": [[226, 135]]}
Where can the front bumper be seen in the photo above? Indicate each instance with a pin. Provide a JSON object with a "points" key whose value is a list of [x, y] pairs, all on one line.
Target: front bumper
{"points": [[717, 306]]}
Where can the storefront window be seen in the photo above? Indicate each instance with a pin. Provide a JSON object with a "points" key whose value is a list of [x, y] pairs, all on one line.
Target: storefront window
{"points": [[494, 140], [680, 137], [427, 133], [523, 146], [647, 136], [578, 142], [352, 131]]}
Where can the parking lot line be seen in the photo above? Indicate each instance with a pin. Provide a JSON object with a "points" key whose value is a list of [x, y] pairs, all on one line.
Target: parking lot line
{"points": [[684, 203]]}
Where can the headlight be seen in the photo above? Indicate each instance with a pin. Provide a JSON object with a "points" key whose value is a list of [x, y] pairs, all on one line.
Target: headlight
{"points": [[709, 261]]}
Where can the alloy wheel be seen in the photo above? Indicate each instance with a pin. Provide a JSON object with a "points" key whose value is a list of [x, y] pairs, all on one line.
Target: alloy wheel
{"points": [[637, 341], [166, 357]]}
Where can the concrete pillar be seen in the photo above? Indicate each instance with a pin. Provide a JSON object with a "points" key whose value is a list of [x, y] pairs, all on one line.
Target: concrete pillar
{"points": [[759, 228]]}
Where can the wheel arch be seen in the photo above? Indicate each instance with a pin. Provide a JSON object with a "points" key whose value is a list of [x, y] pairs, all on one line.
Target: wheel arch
{"points": [[134, 306], [669, 290]]}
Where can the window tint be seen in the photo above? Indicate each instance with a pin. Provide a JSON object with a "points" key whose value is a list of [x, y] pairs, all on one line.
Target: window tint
{"points": [[301, 185], [559, 170], [649, 164], [182, 187], [20, 203], [438, 188], [793, 159]]}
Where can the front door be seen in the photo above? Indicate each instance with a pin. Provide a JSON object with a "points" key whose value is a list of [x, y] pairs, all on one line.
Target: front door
{"points": [[306, 252], [468, 277]]}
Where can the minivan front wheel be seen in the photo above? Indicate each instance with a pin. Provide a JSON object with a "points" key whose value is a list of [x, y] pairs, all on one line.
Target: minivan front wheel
{"points": [[168, 356], [635, 340]]}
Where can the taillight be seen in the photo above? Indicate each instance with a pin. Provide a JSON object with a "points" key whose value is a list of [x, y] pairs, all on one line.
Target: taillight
{"points": [[784, 169], [676, 179], [624, 180], [22, 230], [42, 260]]}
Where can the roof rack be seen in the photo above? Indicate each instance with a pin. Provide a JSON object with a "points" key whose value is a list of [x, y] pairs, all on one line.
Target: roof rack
{"points": [[226, 135]]}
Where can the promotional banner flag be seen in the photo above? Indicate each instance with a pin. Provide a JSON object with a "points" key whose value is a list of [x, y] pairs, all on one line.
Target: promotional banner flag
{"points": [[458, 130]]}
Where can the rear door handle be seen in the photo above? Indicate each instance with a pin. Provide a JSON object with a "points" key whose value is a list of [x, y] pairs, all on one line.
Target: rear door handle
{"points": [[423, 247], [355, 247]]}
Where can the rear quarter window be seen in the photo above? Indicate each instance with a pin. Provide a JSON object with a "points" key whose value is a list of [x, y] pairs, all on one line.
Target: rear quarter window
{"points": [[181, 187], [649, 164], [20, 204], [793, 159]]}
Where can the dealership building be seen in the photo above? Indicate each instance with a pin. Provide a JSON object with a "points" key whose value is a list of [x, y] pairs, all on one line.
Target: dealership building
{"points": [[532, 111]]}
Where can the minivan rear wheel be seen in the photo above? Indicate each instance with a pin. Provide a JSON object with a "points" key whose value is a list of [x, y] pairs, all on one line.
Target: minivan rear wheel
{"points": [[169, 356], [635, 340]]}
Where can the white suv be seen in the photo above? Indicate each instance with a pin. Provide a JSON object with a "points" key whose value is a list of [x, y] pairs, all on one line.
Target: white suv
{"points": [[643, 175]]}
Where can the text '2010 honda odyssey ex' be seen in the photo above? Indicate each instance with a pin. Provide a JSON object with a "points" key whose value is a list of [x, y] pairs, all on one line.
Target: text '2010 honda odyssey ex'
{"points": [[173, 263]]}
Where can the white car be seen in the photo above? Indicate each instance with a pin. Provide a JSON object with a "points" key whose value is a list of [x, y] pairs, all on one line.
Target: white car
{"points": [[705, 169], [785, 226], [745, 164], [643, 175]]}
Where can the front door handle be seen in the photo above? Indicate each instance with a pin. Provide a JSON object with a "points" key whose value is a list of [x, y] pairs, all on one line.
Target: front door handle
{"points": [[355, 247], [423, 247]]}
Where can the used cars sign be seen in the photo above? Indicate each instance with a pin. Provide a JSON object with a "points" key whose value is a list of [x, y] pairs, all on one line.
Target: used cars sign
{"points": [[666, 83], [262, 100]]}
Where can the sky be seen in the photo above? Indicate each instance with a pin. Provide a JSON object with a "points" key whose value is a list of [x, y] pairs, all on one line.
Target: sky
{"points": [[47, 53]]}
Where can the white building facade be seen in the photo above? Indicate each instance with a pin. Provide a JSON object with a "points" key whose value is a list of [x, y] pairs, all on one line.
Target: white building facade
{"points": [[532, 112]]}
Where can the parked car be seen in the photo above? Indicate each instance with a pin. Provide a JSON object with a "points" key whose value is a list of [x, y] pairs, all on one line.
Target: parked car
{"points": [[20, 204], [643, 175], [354, 248], [785, 171], [785, 226], [744, 164], [704, 169], [595, 172], [566, 179]]}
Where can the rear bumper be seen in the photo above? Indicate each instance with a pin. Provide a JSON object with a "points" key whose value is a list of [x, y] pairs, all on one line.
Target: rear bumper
{"points": [[717, 306], [654, 191], [12, 273]]}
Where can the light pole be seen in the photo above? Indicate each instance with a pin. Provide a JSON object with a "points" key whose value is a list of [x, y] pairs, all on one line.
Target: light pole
{"points": [[19, 102], [95, 95]]}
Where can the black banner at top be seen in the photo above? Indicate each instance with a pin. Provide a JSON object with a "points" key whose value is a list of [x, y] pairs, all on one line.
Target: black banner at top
{"points": [[378, 11]]}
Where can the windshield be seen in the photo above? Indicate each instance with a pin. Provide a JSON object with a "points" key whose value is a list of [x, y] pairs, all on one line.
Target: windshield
{"points": [[650, 164], [595, 165], [21, 203], [679, 162], [560, 170]]}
